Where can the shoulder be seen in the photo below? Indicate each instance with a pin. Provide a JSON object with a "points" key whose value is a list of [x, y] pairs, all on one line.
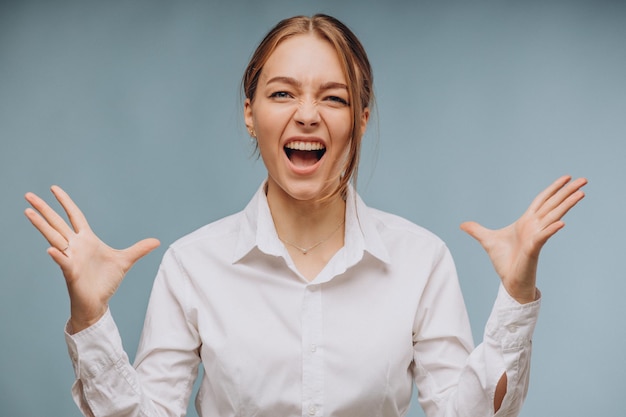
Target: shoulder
{"points": [[221, 231], [397, 226], [405, 242]]}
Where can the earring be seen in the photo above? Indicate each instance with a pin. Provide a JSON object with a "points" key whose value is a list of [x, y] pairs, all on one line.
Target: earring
{"points": [[252, 132]]}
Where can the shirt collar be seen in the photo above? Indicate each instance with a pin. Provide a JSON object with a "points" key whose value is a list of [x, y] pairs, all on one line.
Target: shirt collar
{"points": [[257, 230], [362, 234]]}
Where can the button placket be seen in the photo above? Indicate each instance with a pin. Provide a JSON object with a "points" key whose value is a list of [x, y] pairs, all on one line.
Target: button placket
{"points": [[312, 361]]}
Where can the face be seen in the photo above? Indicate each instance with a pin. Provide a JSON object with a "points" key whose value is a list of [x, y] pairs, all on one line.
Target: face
{"points": [[302, 119]]}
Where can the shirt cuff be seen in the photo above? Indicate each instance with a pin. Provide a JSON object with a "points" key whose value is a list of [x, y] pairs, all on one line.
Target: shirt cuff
{"points": [[512, 324], [95, 348]]}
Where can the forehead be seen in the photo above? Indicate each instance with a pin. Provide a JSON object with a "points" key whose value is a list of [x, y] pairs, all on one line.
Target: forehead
{"points": [[305, 58]]}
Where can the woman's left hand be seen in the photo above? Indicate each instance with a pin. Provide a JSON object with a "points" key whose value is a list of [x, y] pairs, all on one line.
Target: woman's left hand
{"points": [[514, 250]]}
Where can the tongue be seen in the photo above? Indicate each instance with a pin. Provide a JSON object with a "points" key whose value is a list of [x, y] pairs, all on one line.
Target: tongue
{"points": [[303, 158]]}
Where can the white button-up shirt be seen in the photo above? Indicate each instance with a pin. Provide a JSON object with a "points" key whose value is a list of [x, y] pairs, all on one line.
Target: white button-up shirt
{"points": [[385, 312]]}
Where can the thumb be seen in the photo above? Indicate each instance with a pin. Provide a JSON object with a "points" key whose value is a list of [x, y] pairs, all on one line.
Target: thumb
{"points": [[141, 249], [475, 230]]}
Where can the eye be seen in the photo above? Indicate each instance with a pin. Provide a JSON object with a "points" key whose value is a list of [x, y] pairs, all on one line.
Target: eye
{"points": [[338, 100], [280, 94]]}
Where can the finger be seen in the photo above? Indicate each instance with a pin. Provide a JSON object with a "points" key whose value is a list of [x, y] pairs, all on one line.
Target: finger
{"points": [[543, 196], [561, 210], [74, 214], [141, 249], [54, 238], [60, 258], [476, 231], [51, 217], [564, 195], [548, 232]]}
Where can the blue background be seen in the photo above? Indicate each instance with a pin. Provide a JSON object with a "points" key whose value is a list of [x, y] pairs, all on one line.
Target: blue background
{"points": [[134, 108]]}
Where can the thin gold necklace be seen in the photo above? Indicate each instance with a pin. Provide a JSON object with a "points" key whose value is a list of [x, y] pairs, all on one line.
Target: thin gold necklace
{"points": [[307, 250]]}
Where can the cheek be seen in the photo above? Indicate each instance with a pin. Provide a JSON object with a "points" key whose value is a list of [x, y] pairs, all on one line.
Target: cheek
{"points": [[271, 120], [267, 148], [339, 126]]}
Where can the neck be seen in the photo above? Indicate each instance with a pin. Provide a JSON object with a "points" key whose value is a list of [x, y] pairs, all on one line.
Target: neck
{"points": [[305, 223]]}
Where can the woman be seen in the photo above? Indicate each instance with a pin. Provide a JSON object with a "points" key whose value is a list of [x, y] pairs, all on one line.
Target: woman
{"points": [[307, 302]]}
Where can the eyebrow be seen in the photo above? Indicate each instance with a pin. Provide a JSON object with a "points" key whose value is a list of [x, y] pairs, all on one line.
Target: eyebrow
{"points": [[292, 81]]}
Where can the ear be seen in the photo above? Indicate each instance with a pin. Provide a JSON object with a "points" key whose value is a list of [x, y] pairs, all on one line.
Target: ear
{"points": [[365, 116], [247, 115]]}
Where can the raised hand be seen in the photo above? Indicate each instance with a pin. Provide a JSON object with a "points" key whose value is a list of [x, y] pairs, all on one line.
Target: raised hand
{"points": [[514, 250], [93, 271]]}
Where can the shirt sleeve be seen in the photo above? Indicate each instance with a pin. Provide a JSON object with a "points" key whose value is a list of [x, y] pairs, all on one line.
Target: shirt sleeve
{"points": [[453, 378], [167, 360]]}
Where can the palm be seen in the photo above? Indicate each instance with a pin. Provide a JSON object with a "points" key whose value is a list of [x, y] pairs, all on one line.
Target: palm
{"points": [[514, 250], [93, 271]]}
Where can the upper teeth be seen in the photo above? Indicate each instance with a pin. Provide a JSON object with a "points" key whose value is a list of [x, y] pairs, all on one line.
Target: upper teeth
{"points": [[305, 146]]}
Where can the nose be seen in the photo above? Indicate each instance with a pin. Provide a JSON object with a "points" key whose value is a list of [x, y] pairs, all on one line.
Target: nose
{"points": [[307, 114]]}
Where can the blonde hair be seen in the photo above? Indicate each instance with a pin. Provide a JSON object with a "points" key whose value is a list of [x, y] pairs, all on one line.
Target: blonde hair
{"points": [[354, 62]]}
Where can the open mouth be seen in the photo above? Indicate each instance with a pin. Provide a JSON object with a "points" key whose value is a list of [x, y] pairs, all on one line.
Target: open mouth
{"points": [[304, 154]]}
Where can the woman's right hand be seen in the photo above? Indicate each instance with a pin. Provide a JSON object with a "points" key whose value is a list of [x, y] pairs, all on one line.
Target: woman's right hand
{"points": [[93, 270]]}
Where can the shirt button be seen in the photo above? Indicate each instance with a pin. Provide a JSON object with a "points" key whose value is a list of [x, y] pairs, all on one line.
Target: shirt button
{"points": [[313, 348], [312, 410], [511, 328]]}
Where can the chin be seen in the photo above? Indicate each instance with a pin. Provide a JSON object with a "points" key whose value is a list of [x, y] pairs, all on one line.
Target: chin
{"points": [[307, 194], [304, 192]]}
